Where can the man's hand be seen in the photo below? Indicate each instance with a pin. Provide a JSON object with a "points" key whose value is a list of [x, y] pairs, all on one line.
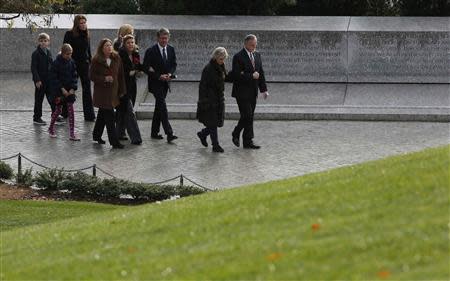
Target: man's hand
{"points": [[72, 92], [265, 95], [164, 77], [109, 79], [38, 84], [255, 75], [132, 72]]}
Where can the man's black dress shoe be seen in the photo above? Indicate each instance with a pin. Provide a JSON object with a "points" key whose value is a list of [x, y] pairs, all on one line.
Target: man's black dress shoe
{"points": [[217, 148], [119, 146], [251, 146], [156, 137], [100, 141], [235, 140], [202, 139], [124, 138], [170, 138]]}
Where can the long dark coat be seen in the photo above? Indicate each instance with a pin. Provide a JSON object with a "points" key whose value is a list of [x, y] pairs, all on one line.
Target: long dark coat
{"points": [[107, 95], [211, 100], [133, 64]]}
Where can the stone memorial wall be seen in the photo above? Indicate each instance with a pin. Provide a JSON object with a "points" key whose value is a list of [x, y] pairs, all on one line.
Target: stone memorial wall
{"points": [[294, 49]]}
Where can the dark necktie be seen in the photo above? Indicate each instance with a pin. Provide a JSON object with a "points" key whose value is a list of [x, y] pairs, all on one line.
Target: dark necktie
{"points": [[164, 55], [252, 59]]}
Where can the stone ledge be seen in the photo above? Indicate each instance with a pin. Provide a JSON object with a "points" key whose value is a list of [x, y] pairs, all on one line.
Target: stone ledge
{"points": [[288, 112]]}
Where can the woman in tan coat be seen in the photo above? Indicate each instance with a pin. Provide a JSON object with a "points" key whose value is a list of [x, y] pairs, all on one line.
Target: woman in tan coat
{"points": [[109, 85]]}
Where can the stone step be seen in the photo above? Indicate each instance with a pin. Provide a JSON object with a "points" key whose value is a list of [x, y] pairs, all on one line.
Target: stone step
{"points": [[298, 112]]}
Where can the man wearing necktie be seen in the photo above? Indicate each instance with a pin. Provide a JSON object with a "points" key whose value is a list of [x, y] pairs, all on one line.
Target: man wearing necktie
{"points": [[248, 77], [160, 64]]}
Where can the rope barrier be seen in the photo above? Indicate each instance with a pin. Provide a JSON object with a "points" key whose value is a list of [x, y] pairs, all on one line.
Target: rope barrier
{"points": [[199, 185], [10, 157], [106, 173], [165, 181], [95, 167]]}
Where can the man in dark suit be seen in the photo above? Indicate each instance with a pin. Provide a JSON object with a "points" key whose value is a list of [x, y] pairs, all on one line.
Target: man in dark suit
{"points": [[248, 77], [160, 64]]}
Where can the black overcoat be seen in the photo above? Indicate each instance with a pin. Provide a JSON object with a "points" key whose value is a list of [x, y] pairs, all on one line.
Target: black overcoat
{"points": [[211, 100]]}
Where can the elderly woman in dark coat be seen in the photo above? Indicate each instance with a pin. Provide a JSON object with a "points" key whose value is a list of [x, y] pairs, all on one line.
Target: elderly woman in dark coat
{"points": [[211, 101]]}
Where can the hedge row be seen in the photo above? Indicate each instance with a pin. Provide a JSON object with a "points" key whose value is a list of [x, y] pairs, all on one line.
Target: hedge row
{"points": [[84, 185]]}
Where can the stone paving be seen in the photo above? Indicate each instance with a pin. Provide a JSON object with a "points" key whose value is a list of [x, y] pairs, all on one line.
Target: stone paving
{"points": [[289, 148]]}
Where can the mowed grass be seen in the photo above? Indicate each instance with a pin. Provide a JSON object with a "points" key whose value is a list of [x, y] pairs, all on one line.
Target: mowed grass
{"points": [[15, 214], [386, 219]]}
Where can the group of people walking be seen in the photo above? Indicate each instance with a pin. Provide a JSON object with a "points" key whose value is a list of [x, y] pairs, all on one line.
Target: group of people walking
{"points": [[114, 69]]}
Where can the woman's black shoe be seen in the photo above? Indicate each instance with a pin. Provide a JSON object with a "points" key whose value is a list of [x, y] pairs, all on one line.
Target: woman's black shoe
{"points": [[202, 139], [218, 148], [136, 142], [100, 141], [170, 138], [119, 145], [156, 137]]}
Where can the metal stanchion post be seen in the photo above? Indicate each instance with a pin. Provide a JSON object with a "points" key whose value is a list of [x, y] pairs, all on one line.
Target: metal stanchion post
{"points": [[19, 164]]}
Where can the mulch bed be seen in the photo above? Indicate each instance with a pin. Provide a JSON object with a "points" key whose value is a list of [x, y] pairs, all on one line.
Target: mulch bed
{"points": [[12, 192]]}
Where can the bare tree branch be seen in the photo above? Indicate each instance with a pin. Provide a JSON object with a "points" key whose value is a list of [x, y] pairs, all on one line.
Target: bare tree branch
{"points": [[2, 17]]}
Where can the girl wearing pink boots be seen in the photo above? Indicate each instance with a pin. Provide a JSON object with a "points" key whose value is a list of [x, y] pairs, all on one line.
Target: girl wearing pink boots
{"points": [[63, 81]]}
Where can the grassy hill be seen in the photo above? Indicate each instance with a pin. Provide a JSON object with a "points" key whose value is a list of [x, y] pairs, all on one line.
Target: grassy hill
{"points": [[386, 219]]}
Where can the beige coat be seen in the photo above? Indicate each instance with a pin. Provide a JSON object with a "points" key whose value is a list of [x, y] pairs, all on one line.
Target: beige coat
{"points": [[107, 95]]}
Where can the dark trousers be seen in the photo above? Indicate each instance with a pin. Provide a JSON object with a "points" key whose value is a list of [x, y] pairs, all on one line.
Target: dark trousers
{"points": [[105, 117], [126, 119], [212, 132], [247, 111], [39, 95], [161, 115], [88, 108]]}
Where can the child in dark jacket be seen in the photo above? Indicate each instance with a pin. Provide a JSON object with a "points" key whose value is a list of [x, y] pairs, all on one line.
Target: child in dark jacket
{"points": [[41, 60], [63, 80]]}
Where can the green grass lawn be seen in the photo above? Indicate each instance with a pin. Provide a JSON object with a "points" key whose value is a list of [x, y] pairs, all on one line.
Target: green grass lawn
{"points": [[14, 214], [386, 219]]}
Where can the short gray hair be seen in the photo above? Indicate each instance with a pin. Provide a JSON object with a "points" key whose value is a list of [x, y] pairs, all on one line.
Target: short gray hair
{"points": [[162, 31], [219, 52], [250, 37]]}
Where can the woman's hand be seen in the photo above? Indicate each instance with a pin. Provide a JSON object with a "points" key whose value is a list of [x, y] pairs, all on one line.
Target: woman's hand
{"points": [[109, 79], [65, 92]]}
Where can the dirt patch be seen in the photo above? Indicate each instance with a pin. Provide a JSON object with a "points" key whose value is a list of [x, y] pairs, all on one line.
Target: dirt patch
{"points": [[12, 192]]}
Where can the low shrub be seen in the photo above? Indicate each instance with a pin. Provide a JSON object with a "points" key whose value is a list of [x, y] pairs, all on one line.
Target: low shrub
{"points": [[50, 179], [25, 178], [6, 172], [82, 184], [79, 183], [112, 188]]}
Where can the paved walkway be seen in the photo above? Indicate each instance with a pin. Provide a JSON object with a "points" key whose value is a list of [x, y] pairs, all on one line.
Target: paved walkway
{"points": [[290, 148]]}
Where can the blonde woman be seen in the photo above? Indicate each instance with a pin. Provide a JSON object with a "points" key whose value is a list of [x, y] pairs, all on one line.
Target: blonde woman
{"points": [[109, 85], [125, 115], [124, 30]]}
